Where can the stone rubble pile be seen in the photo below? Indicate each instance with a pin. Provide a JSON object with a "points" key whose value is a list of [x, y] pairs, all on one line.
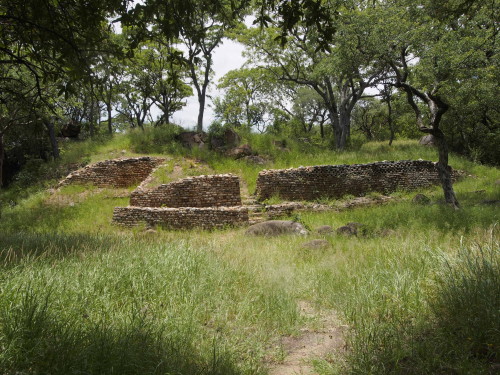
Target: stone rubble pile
{"points": [[335, 181]]}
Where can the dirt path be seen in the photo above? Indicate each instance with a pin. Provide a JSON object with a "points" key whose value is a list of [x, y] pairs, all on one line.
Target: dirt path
{"points": [[317, 343]]}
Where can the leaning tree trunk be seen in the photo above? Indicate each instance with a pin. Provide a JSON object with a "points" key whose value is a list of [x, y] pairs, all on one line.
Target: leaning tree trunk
{"points": [[437, 108], [2, 158]]}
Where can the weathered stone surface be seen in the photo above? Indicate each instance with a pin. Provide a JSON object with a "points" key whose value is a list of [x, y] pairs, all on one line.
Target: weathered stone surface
{"points": [[427, 140], [228, 139], [316, 244], [181, 218], [240, 151], [114, 173], [255, 159], [335, 181], [276, 228], [324, 229], [199, 191], [192, 139], [352, 229], [421, 199]]}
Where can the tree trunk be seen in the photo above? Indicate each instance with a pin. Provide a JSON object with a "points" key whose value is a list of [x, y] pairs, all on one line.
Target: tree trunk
{"points": [[337, 131], [91, 119], [110, 118], [444, 169], [2, 158], [389, 119], [345, 126], [53, 140], [201, 101]]}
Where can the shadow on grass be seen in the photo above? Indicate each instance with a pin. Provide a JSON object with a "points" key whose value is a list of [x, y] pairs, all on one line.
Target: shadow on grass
{"points": [[35, 340], [16, 247]]}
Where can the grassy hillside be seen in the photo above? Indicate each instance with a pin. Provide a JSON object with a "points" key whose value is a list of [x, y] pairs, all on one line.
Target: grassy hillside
{"points": [[419, 294]]}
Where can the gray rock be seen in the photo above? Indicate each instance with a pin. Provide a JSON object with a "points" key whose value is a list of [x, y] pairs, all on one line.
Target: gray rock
{"points": [[352, 229], [255, 159], [228, 139], [427, 140], [324, 229], [276, 228], [192, 139], [240, 151], [316, 244], [421, 199]]}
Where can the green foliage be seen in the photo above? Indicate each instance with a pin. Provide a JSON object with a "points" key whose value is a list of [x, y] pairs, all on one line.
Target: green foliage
{"points": [[155, 140]]}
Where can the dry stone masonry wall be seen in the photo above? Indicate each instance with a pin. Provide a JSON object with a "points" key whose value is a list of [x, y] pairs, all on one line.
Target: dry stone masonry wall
{"points": [[181, 218], [335, 181], [196, 202], [200, 191], [114, 173]]}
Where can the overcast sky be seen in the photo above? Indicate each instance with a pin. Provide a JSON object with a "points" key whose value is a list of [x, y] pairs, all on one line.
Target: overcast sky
{"points": [[227, 57]]}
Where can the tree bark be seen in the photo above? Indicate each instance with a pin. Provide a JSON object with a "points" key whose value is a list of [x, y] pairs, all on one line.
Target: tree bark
{"points": [[53, 140], [444, 170], [201, 112], [2, 158], [91, 119], [110, 118]]}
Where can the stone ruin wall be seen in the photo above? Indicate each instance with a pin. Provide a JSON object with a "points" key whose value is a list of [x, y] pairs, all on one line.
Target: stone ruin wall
{"points": [[114, 173], [195, 202], [181, 218], [200, 191], [335, 181]]}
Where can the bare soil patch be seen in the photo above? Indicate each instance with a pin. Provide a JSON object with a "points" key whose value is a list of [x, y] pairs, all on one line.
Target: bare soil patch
{"points": [[326, 339]]}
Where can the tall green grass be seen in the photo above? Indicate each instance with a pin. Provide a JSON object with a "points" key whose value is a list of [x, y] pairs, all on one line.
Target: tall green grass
{"points": [[419, 292], [105, 305]]}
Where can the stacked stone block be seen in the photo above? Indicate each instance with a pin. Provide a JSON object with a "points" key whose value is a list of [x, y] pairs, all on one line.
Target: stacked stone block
{"points": [[196, 202], [114, 173], [200, 191], [182, 218], [335, 181]]}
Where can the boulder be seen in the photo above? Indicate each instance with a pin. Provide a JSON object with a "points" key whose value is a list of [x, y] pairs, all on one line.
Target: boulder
{"points": [[421, 199], [71, 130], [192, 139], [276, 228], [228, 139], [427, 140], [316, 244], [255, 159], [351, 229], [324, 229], [240, 151]]}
